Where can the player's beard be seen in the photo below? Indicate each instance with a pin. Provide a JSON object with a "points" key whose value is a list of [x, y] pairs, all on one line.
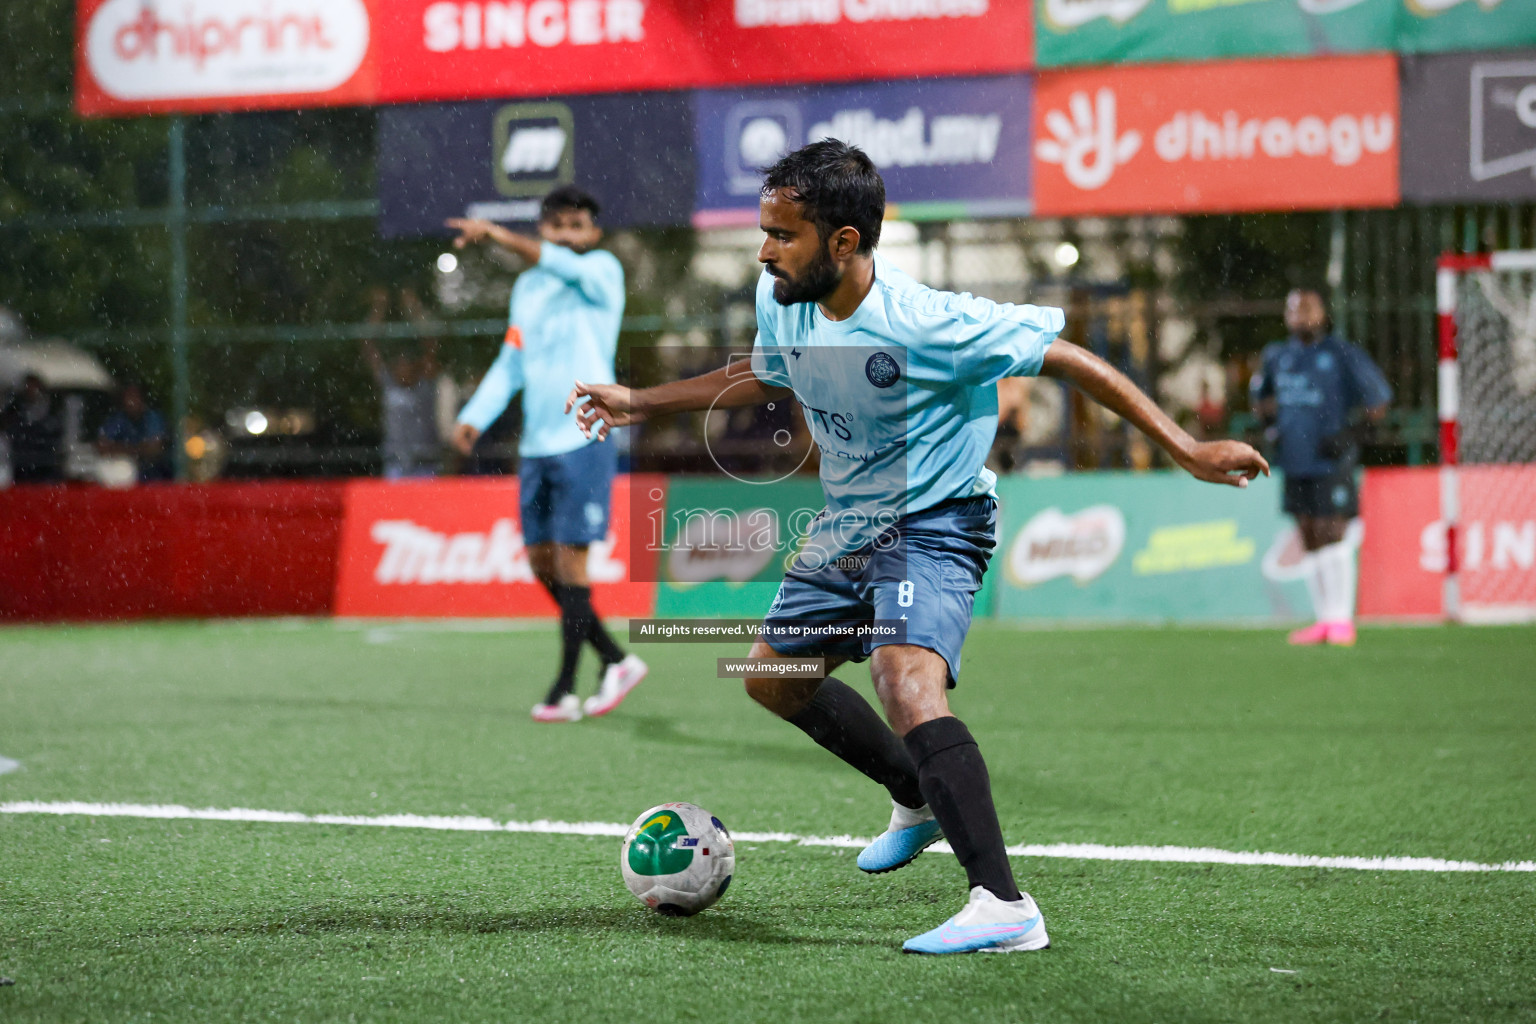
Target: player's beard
{"points": [[816, 283]]}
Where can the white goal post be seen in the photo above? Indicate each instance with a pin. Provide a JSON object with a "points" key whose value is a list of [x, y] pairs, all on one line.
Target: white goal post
{"points": [[1487, 381]]}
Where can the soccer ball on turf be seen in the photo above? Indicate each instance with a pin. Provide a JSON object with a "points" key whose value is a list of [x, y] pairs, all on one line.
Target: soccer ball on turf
{"points": [[677, 859]]}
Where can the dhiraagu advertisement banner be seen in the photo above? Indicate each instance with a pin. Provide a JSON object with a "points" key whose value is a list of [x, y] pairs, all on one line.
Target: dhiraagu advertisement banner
{"points": [[1145, 547], [1115, 31]]}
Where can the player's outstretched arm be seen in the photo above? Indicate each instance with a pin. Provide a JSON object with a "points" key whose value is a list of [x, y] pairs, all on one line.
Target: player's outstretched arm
{"points": [[601, 407], [1217, 462]]}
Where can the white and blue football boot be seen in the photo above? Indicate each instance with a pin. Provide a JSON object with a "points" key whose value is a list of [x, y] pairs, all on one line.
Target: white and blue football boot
{"points": [[986, 924], [910, 833]]}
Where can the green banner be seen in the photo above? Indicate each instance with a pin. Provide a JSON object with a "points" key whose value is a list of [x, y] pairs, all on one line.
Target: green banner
{"points": [[1116, 31], [1433, 25], [1145, 547]]}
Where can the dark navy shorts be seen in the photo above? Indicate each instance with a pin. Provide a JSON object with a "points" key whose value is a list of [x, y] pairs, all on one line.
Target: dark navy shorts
{"points": [[564, 498], [1319, 497], [921, 578]]}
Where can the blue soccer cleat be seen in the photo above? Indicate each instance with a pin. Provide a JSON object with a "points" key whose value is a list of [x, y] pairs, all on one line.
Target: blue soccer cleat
{"points": [[910, 833], [986, 924]]}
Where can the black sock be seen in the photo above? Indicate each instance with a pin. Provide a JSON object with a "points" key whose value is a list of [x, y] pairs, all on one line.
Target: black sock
{"points": [[573, 631], [843, 722], [954, 779], [596, 634]]}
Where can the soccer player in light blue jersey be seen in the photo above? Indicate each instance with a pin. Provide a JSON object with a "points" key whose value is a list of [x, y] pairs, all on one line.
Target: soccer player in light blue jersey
{"points": [[563, 324], [898, 383]]}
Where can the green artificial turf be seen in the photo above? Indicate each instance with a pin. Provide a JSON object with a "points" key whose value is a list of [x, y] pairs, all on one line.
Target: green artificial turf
{"points": [[1415, 743]]}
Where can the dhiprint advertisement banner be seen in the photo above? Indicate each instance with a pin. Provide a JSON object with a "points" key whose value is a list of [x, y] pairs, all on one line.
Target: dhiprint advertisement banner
{"points": [[497, 160], [1469, 126], [453, 548], [1145, 547], [961, 142], [1220, 137], [143, 56], [1118, 31]]}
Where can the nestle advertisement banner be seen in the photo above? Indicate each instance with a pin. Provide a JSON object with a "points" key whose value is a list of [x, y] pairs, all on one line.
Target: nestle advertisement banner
{"points": [[1218, 137], [1146, 546], [1425, 25], [1117, 31], [1469, 126], [138, 56], [497, 160], [453, 548], [951, 141]]}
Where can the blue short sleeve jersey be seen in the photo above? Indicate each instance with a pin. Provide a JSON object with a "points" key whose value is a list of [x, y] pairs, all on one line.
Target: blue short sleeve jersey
{"points": [[900, 397], [564, 326], [1315, 388]]}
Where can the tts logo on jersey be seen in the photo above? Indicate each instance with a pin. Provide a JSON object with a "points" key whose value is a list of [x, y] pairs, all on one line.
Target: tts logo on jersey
{"points": [[1087, 145], [533, 148]]}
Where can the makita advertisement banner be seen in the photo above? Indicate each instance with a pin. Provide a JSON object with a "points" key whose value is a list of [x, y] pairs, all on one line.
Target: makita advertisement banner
{"points": [[1146, 547], [1220, 137], [453, 548], [497, 160], [959, 143], [1469, 126], [140, 56]]}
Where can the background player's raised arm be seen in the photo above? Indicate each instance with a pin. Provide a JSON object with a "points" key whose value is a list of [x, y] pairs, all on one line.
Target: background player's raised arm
{"points": [[1217, 462]]}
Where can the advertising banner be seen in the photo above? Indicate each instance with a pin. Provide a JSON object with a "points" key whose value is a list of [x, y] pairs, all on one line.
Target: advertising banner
{"points": [[498, 160], [1146, 547], [961, 144], [1120, 31], [453, 548], [1469, 126], [1425, 25], [1249, 135], [138, 57], [1402, 562]]}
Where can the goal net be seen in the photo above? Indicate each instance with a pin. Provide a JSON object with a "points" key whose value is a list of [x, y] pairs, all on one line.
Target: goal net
{"points": [[1487, 306]]}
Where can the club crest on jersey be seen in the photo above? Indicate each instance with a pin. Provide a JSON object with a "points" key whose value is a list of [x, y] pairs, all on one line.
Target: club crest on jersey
{"points": [[882, 370]]}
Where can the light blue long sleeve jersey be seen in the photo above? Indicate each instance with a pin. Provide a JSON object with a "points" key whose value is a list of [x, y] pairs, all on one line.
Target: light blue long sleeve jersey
{"points": [[901, 397], [564, 326]]}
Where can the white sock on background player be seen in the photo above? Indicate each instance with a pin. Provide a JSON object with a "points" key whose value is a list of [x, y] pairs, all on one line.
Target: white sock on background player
{"points": [[1336, 578], [1312, 575]]}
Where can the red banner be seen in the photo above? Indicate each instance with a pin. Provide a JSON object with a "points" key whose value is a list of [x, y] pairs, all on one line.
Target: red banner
{"points": [[1402, 561], [452, 548], [138, 56], [1223, 136]]}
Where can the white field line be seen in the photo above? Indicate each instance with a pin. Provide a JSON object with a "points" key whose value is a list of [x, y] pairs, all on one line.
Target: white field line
{"points": [[1068, 851]]}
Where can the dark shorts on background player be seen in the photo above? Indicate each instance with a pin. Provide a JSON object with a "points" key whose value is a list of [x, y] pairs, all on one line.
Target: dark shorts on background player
{"points": [[1318, 497], [925, 581], [564, 498]]}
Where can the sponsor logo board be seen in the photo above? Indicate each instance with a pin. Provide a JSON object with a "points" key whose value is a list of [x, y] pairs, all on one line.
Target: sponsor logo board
{"points": [[1232, 136], [144, 55], [1469, 126], [453, 548]]}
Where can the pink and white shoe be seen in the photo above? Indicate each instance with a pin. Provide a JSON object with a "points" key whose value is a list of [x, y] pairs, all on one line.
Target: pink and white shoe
{"points": [[1311, 636], [618, 680], [567, 710], [1341, 634]]}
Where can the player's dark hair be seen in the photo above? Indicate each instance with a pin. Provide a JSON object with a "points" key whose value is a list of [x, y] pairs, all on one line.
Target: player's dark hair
{"points": [[568, 197], [837, 185]]}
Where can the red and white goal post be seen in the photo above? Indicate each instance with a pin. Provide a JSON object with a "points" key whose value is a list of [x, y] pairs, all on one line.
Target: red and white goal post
{"points": [[1487, 323]]}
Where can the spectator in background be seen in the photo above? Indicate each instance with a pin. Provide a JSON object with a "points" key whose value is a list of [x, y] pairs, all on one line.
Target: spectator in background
{"points": [[33, 423], [408, 393], [136, 431], [1211, 413]]}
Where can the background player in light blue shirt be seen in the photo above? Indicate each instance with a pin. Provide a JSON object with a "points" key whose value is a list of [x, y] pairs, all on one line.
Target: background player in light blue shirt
{"points": [[1310, 389], [898, 384], [563, 324]]}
